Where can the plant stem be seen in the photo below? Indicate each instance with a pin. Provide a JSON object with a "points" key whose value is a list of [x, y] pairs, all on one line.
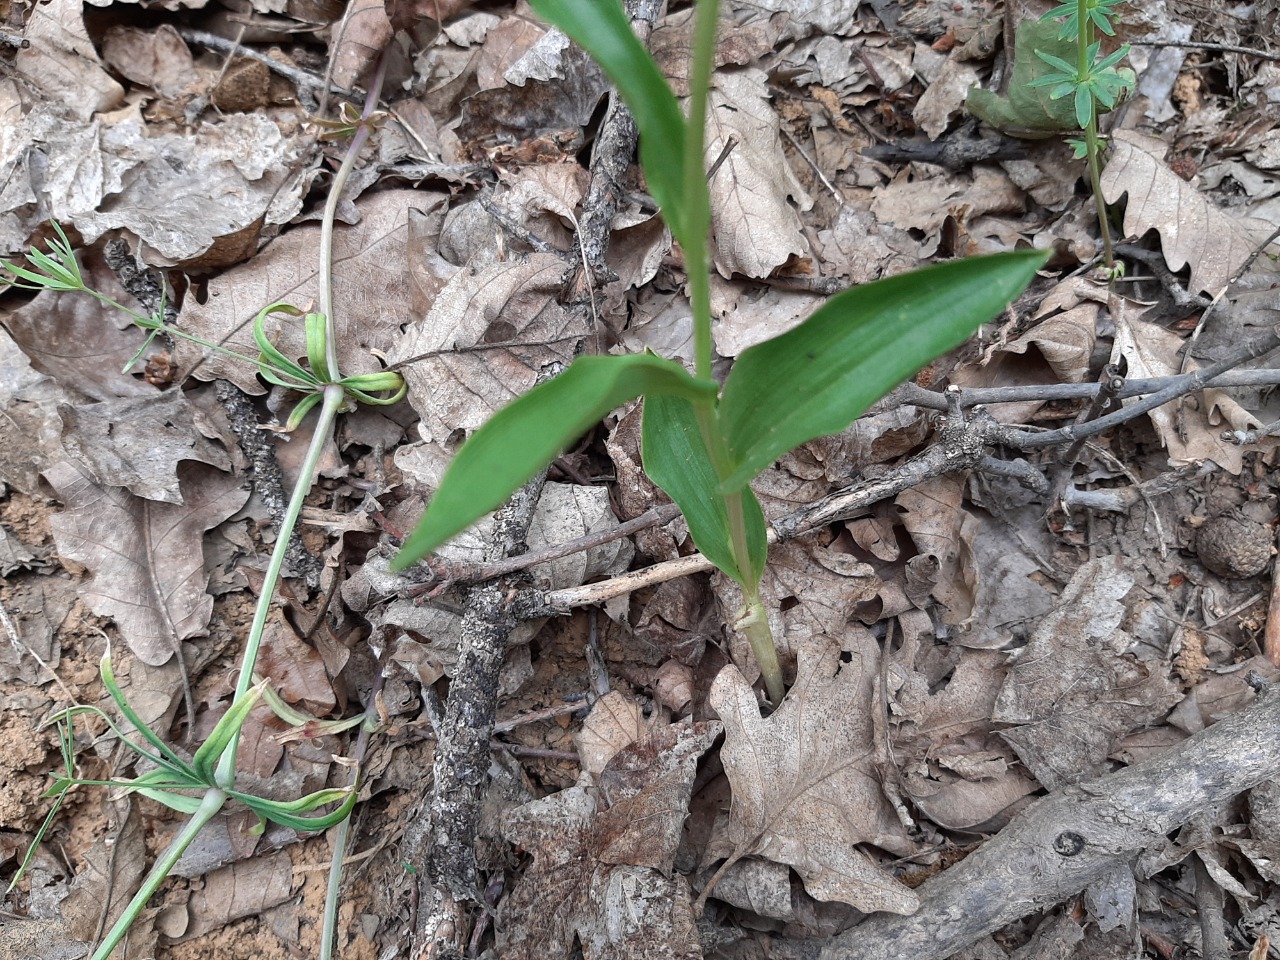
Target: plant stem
{"points": [[1084, 40], [697, 218], [697, 225], [325, 295], [754, 625], [209, 806], [334, 398], [342, 832]]}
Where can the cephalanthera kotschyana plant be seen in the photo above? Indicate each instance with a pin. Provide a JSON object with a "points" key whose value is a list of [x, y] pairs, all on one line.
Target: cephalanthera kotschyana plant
{"points": [[704, 442]]}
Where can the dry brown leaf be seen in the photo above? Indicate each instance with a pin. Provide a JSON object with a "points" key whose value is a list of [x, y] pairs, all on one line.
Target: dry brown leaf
{"points": [[1065, 341], [914, 201], [108, 875], [487, 337], [295, 668], [146, 556], [1193, 230], [753, 221], [372, 294], [61, 66], [366, 30], [77, 341], [37, 606], [242, 889], [178, 193], [747, 315], [953, 767], [805, 792], [618, 911], [157, 58], [1075, 689], [137, 442], [645, 791], [986, 580], [944, 98], [1182, 425], [615, 721]]}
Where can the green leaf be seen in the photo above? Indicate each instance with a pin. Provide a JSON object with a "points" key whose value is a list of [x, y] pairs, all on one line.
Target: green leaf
{"points": [[677, 460], [224, 732], [601, 28], [817, 378], [527, 434], [1027, 111], [108, 675], [286, 812]]}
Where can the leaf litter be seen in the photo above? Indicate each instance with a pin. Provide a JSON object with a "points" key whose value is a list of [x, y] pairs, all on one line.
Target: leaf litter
{"points": [[955, 650]]}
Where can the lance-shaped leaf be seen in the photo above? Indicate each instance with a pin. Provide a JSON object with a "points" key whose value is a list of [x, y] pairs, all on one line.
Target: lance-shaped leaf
{"points": [[600, 27], [677, 460], [527, 434], [818, 378]]}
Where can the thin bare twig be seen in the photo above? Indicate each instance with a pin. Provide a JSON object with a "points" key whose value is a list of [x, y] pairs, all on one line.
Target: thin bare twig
{"points": [[300, 77], [1214, 47]]}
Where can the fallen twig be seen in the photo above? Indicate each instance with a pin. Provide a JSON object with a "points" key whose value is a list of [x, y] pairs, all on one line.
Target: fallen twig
{"points": [[1059, 845]]}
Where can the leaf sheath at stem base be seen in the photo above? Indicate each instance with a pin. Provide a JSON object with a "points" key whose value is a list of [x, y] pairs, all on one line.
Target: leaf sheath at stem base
{"points": [[753, 624]]}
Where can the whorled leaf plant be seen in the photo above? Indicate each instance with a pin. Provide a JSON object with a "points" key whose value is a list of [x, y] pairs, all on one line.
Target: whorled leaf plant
{"points": [[704, 442], [202, 785]]}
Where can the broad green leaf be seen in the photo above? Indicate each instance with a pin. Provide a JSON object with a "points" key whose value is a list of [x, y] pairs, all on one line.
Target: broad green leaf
{"points": [[1028, 110], [817, 378], [677, 460], [528, 433], [601, 28]]}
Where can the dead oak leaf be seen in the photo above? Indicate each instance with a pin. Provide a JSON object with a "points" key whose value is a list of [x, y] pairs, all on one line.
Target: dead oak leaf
{"points": [[1074, 690], [756, 228], [146, 556], [1192, 229], [137, 442], [372, 295], [598, 869], [805, 791]]}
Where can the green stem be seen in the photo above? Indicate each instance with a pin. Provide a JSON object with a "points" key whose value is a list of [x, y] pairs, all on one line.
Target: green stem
{"points": [[213, 802], [754, 625], [697, 215], [1084, 40], [325, 295], [342, 832], [334, 398], [1095, 180]]}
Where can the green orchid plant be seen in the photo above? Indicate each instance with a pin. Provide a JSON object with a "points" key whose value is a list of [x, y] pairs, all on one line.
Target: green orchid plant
{"points": [[702, 441]]}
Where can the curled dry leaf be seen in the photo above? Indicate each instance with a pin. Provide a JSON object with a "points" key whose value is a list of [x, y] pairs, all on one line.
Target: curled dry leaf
{"points": [[1193, 230], [805, 791], [1183, 426], [755, 226], [146, 556]]}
